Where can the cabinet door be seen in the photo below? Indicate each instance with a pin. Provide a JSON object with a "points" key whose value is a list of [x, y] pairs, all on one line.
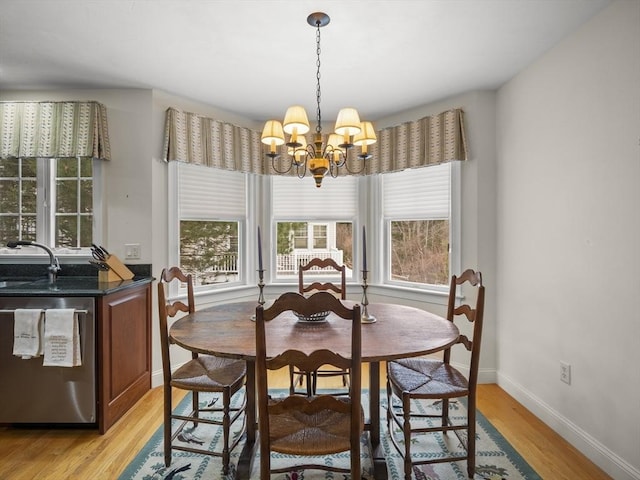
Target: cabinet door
{"points": [[124, 352]]}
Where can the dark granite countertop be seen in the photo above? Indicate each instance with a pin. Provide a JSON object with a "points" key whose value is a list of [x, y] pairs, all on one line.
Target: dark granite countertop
{"points": [[74, 281]]}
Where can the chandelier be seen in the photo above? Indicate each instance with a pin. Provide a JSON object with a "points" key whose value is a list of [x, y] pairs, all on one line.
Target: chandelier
{"points": [[319, 157]]}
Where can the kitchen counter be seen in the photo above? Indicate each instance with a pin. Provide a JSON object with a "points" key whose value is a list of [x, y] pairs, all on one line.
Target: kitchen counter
{"points": [[77, 280], [74, 286]]}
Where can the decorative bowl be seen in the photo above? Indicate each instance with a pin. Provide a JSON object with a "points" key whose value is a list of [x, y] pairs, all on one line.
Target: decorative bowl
{"points": [[314, 317]]}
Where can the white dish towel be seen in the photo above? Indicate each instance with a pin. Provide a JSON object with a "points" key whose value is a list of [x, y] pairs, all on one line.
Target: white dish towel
{"points": [[27, 333], [61, 338]]}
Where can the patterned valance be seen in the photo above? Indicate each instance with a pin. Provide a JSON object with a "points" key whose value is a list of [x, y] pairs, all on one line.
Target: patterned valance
{"points": [[193, 138], [54, 130], [430, 140]]}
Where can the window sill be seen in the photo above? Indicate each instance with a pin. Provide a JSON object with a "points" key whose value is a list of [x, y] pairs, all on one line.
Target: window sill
{"points": [[8, 255], [423, 295]]}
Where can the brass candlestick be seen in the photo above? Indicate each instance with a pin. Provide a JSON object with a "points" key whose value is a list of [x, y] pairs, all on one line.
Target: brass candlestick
{"points": [[261, 287], [365, 317]]}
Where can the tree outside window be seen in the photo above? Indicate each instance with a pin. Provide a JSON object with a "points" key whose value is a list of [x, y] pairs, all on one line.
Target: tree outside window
{"points": [[209, 251], [63, 216], [420, 251]]}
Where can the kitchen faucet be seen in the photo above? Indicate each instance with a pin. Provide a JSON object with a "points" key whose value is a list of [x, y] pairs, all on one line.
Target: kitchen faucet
{"points": [[54, 265]]}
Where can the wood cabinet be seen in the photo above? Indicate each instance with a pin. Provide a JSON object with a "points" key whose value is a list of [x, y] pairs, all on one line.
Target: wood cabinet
{"points": [[124, 351]]}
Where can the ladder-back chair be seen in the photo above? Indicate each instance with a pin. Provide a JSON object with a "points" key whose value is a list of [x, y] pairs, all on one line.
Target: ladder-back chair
{"points": [[339, 290], [301, 425], [418, 379], [203, 373]]}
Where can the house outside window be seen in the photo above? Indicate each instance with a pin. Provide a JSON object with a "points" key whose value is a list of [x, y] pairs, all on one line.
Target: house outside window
{"points": [[49, 200], [329, 240], [300, 237], [319, 236]]}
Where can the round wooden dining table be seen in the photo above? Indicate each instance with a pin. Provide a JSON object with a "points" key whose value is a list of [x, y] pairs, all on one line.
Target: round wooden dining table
{"points": [[399, 331]]}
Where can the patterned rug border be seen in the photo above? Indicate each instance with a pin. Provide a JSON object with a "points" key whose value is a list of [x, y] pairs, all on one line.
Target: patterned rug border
{"points": [[520, 464], [528, 472]]}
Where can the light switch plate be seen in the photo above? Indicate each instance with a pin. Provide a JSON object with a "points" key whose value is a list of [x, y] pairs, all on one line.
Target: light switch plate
{"points": [[132, 251]]}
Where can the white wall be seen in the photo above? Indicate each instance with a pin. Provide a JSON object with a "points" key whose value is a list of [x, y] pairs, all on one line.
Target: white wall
{"points": [[568, 226]]}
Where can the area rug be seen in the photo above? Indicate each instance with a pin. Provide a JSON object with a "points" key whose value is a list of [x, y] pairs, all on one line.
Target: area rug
{"points": [[495, 457]]}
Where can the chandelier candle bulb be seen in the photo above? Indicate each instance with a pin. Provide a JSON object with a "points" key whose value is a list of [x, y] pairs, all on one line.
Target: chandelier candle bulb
{"points": [[273, 136]]}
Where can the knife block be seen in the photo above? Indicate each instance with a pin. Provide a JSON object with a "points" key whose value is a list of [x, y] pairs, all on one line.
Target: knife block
{"points": [[117, 271]]}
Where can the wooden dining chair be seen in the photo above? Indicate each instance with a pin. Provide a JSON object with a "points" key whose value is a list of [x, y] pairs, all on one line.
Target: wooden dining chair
{"points": [[300, 425], [417, 379], [296, 377], [203, 373]]}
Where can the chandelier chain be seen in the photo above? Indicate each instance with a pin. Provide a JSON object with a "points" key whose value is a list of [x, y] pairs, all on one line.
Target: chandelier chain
{"points": [[319, 115]]}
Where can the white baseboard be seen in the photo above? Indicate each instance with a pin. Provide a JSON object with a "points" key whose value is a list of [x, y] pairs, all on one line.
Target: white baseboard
{"points": [[612, 464], [157, 379]]}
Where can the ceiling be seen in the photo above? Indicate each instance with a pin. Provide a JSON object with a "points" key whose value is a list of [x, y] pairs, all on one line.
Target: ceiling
{"points": [[257, 57]]}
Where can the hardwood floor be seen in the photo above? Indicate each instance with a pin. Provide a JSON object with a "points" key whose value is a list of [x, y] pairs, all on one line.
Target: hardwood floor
{"points": [[28, 454]]}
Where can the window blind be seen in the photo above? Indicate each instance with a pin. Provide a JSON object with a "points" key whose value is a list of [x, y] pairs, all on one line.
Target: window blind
{"points": [[295, 198], [420, 193], [210, 193]]}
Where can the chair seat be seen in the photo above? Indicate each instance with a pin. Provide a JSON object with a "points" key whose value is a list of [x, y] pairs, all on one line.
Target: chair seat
{"points": [[210, 373], [305, 431], [426, 378]]}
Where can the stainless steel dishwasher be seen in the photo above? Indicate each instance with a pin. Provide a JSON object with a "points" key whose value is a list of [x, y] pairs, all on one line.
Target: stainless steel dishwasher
{"points": [[34, 394]]}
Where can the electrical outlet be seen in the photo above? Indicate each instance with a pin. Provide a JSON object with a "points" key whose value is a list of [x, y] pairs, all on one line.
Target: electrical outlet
{"points": [[565, 373], [132, 251]]}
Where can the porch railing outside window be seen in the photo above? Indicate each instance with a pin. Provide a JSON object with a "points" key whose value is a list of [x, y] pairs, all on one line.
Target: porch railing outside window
{"points": [[287, 264]]}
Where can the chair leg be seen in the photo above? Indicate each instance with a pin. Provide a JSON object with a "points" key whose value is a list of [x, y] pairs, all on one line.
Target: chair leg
{"points": [[167, 425], [292, 386], [406, 430], [445, 414], [471, 438], [265, 457], [226, 426], [356, 469], [195, 404], [312, 383]]}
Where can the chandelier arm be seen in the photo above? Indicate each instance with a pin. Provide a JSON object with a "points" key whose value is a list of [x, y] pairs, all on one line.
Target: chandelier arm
{"points": [[281, 172], [354, 172], [334, 169], [301, 168], [342, 159]]}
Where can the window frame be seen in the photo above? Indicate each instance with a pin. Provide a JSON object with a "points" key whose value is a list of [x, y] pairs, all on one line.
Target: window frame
{"points": [[45, 216], [244, 226], [454, 237], [324, 217]]}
